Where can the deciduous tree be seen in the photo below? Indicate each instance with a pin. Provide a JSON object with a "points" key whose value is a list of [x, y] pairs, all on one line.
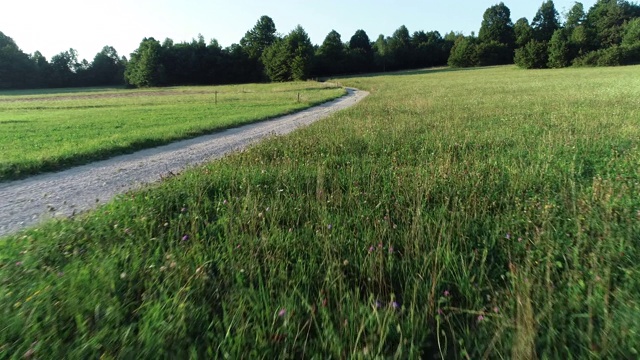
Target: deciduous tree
{"points": [[145, 68], [106, 68], [16, 68], [382, 53], [523, 32], [559, 49], [464, 52], [534, 55], [400, 49], [360, 53], [546, 22], [64, 67], [331, 55], [497, 26]]}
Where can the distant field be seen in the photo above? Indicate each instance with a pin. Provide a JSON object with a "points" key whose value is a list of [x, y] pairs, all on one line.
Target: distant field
{"points": [[484, 213], [49, 130]]}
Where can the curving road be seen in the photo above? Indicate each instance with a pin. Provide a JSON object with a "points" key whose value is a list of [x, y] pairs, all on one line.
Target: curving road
{"points": [[27, 202]]}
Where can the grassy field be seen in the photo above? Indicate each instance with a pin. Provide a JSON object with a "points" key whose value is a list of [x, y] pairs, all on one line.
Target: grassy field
{"points": [[487, 213], [48, 130]]}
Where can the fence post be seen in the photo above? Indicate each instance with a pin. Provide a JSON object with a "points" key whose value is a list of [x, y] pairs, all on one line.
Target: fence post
{"points": [[298, 97]]}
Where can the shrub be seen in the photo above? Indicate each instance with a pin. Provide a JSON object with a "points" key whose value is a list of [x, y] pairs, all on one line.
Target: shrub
{"points": [[494, 53], [613, 56], [464, 53], [534, 55]]}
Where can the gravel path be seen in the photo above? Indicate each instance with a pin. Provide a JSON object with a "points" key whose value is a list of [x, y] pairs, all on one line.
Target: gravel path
{"points": [[27, 202]]}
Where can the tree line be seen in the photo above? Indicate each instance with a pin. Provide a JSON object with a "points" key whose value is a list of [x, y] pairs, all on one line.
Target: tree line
{"points": [[261, 55], [607, 34]]}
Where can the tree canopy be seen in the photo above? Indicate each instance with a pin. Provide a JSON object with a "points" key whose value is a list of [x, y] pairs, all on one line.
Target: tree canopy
{"points": [[497, 26], [545, 22]]}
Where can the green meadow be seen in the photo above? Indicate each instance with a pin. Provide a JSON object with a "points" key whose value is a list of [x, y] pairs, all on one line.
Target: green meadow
{"points": [[47, 130], [484, 213]]}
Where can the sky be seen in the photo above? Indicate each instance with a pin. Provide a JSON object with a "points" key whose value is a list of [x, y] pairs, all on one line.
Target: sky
{"points": [[87, 26]]}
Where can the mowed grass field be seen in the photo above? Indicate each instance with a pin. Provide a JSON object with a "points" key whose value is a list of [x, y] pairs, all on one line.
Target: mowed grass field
{"points": [[486, 213], [49, 130]]}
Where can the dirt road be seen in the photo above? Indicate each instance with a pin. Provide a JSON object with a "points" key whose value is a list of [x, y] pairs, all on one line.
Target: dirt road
{"points": [[27, 202]]}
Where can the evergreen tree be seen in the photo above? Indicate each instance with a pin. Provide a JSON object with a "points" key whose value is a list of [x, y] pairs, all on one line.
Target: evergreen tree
{"points": [[259, 38], [276, 61], [301, 53], [291, 58]]}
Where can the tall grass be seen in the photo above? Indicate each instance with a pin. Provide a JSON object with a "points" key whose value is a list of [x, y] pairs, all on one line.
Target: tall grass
{"points": [[44, 131], [490, 213]]}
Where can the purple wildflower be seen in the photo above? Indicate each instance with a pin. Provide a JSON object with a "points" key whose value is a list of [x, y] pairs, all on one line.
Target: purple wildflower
{"points": [[508, 236], [390, 249], [185, 238], [496, 309], [395, 305], [19, 263], [480, 318], [282, 312], [446, 293], [378, 304], [371, 248]]}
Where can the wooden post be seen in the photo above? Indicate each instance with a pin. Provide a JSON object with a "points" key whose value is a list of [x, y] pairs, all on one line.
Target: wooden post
{"points": [[298, 97]]}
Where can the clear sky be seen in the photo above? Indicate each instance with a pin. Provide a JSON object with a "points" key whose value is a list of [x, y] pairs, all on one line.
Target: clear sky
{"points": [[52, 26]]}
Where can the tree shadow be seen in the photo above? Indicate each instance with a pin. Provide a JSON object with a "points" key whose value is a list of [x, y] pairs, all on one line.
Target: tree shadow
{"points": [[435, 70], [52, 91]]}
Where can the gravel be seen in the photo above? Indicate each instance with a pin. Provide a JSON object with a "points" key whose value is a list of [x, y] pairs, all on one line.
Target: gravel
{"points": [[25, 203]]}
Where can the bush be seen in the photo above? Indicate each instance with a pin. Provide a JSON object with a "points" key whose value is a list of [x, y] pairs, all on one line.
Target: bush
{"points": [[494, 53], [613, 56], [464, 53], [534, 55]]}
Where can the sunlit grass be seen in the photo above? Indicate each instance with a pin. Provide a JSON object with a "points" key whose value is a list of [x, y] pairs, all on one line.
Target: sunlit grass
{"points": [[45, 130], [462, 214]]}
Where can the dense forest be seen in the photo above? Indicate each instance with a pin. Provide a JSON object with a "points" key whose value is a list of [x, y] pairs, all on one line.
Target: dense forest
{"points": [[605, 35]]}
